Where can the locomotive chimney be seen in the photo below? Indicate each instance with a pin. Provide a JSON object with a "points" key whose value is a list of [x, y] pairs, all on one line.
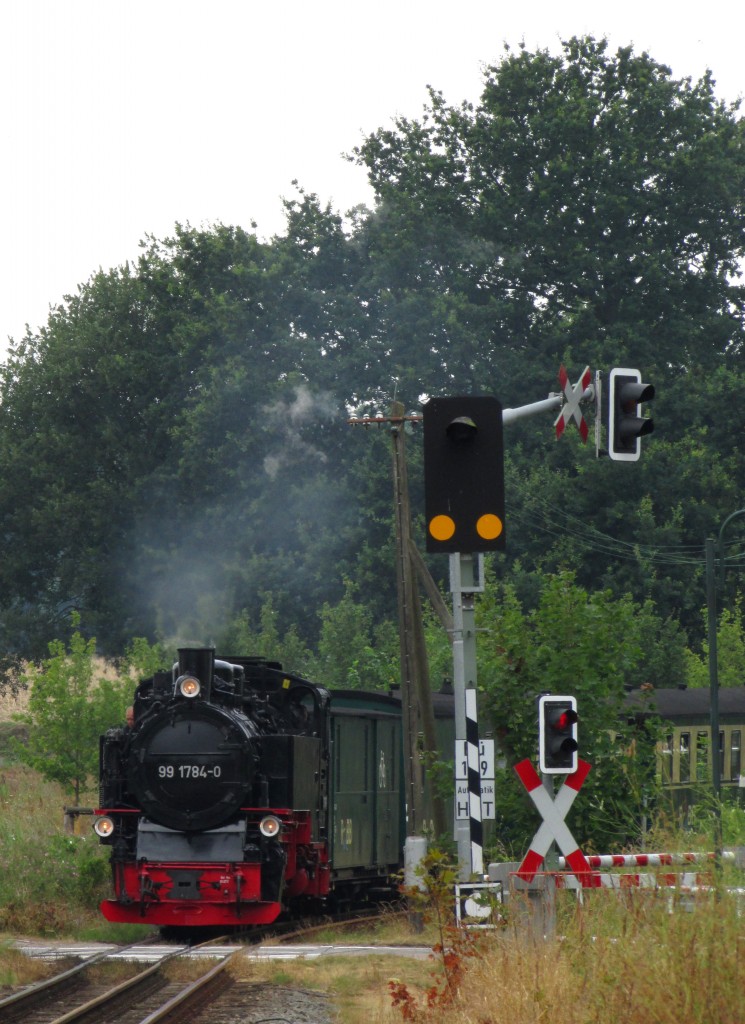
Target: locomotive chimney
{"points": [[199, 662]]}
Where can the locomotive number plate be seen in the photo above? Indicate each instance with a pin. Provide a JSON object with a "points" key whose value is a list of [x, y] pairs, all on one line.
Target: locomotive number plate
{"points": [[189, 771]]}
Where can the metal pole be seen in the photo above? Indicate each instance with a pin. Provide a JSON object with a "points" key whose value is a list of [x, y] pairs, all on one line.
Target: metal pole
{"points": [[475, 816], [714, 549], [711, 606], [462, 585]]}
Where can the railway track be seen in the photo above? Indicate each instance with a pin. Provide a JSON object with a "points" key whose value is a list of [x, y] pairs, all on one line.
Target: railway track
{"points": [[125, 985], [93, 993]]}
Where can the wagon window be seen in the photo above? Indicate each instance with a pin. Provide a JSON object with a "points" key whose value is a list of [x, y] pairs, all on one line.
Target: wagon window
{"points": [[734, 755], [685, 757], [667, 761], [702, 756]]}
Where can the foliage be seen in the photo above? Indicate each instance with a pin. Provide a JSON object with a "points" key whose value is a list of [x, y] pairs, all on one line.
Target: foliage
{"points": [[578, 213], [176, 435], [352, 651], [142, 659], [724, 818], [581, 198], [68, 710], [265, 640], [623, 957], [175, 457], [730, 652]]}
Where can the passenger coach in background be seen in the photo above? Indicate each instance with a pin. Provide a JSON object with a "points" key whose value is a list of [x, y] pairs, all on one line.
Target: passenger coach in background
{"points": [[684, 756]]}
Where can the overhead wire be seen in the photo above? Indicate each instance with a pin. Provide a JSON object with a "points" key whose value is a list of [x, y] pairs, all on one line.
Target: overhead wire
{"points": [[541, 514]]}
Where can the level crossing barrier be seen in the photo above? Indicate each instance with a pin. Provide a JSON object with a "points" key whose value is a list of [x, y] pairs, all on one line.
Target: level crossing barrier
{"points": [[687, 881], [649, 860]]}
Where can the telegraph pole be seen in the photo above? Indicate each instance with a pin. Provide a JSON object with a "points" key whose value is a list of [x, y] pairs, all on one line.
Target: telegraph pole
{"points": [[416, 696], [409, 650]]}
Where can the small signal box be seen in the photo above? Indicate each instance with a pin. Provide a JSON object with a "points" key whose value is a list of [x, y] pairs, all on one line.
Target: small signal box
{"points": [[557, 735]]}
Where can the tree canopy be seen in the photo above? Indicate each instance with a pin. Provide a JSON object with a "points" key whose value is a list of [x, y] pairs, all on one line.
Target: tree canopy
{"points": [[174, 446]]}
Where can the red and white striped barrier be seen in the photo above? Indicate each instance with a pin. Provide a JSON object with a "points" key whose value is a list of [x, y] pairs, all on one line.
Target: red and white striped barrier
{"points": [[685, 882], [647, 860]]}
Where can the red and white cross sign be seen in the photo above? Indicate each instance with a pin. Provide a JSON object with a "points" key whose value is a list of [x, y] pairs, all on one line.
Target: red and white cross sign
{"points": [[553, 813], [571, 410]]}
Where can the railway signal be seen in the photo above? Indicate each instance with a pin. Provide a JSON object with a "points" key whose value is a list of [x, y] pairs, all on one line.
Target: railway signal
{"points": [[557, 735], [464, 474], [626, 425]]}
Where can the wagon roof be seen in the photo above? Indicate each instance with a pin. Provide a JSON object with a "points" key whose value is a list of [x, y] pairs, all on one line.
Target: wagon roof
{"points": [[678, 704]]}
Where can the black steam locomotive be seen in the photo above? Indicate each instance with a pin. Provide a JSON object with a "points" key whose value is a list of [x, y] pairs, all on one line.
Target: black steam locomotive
{"points": [[240, 790]]}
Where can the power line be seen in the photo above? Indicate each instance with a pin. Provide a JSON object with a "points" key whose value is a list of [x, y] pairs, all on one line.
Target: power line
{"points": [[557, 522]]}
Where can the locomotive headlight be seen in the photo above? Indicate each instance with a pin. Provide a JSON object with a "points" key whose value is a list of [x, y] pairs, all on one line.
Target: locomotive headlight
{"points": [[270, 826], [103, 826], [188, 686]]}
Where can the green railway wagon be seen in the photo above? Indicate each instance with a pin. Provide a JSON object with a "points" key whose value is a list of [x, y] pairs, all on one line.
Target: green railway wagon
{"points": [[366, 790]]}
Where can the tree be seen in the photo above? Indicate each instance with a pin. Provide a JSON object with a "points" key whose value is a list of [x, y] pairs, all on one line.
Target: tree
{"points": [[162, 425], [174, 444], [730, 652], [263, 638], [593, 190], [352, 651], [70, 706]]}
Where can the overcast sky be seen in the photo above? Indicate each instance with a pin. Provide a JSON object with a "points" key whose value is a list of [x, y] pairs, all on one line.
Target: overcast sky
{"points": [[120, 119]]}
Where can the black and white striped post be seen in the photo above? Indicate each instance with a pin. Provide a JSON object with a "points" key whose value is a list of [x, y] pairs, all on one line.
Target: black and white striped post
{"points": [[475, 820], [466, 579]]}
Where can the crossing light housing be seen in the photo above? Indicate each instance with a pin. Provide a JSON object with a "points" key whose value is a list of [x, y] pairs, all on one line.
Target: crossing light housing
{"points": [[557, 734], [626, 425], [464, 474]]}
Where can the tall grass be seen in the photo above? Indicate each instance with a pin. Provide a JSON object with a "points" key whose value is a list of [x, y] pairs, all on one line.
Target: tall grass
{"points": [[620, 959], [51, 882]]}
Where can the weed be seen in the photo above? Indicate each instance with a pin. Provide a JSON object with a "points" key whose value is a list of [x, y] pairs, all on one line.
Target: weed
{"points": [[433, 900]]}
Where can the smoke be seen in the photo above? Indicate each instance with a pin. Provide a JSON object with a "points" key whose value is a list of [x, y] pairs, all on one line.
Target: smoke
{"points": [[289, 420], [190, 567]]}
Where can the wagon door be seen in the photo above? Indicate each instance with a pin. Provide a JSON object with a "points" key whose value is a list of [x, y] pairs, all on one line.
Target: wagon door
{"points": [[354, 795], [387, 824]]}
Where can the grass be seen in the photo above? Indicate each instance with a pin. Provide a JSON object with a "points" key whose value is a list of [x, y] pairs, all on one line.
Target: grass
{"points": [[391, 928], [51, 881], [18, 969], [622, 957]]}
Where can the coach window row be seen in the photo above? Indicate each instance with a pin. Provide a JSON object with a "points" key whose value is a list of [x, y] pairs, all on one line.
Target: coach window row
{"points": [[685, 756]]}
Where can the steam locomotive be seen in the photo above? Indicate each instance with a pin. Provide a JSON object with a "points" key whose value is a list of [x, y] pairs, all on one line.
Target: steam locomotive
{"points": [[241, 790]]}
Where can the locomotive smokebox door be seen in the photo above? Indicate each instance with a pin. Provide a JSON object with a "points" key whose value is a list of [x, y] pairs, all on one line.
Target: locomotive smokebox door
{"points": [[193, 768]]}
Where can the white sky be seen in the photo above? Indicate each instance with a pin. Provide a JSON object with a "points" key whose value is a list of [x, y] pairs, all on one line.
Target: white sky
{"points": [[119, 119]]}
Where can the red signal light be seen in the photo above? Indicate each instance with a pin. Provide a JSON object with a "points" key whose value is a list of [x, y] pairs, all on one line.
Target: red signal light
{"points": [[564, 721], [557, 734]]}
